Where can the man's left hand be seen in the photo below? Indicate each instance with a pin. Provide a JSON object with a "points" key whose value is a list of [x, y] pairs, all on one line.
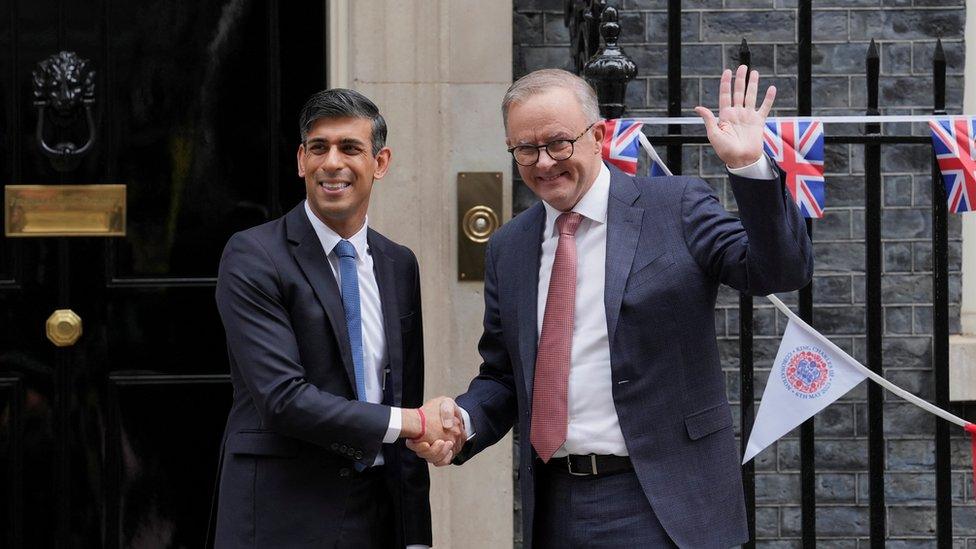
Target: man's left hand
{"points": [[737, 133]]}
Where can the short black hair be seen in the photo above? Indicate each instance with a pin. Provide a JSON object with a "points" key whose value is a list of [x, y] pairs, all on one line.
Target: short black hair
{"points": [[342, 103]]}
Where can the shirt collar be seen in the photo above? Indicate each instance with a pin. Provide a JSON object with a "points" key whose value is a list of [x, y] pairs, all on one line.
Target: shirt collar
{"points": [[330, 238], [593, 205]]}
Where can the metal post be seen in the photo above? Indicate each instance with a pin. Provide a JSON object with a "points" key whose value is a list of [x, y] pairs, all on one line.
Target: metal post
{"points": [[746, 390], [804, 94], [940, 322], [674, 80], [875, 326], [748, 412]]}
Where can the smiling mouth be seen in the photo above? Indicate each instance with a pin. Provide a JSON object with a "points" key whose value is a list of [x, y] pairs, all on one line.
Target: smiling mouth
{"points": [[338, 186], [551, 178]]}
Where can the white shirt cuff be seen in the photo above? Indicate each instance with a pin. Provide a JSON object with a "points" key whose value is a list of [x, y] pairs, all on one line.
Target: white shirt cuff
{"points": [[467, 423], [760, 169], [418, 547], [396, 425]]}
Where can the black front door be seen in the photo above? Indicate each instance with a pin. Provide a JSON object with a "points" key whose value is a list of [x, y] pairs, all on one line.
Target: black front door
{"points": [[113, 441]]}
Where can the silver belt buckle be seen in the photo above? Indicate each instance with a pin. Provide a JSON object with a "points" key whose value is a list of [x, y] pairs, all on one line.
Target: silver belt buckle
{"points": [[569, 467]]}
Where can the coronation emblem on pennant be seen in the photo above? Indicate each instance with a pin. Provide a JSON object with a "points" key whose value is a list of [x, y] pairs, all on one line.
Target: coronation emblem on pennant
{"points": [[806, 371]]}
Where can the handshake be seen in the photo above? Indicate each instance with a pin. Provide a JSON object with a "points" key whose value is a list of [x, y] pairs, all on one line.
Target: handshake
{"points": [[434, 431]]}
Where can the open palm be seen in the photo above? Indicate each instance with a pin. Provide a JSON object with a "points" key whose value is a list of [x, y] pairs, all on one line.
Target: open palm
{"points": [[737, 133]]}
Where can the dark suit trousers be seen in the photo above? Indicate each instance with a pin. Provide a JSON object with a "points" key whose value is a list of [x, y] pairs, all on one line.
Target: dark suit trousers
{"points": [[369, 511], [593, 511], [368, 522]]}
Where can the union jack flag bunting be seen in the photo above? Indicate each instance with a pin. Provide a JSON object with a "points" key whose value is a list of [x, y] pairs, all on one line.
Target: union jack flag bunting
{"points": [[620, 147], [798, 148], [952, 141]]}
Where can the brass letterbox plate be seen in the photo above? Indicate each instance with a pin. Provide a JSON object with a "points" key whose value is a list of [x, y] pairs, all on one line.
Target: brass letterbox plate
{"points": [[64, 210], [479, 215]]}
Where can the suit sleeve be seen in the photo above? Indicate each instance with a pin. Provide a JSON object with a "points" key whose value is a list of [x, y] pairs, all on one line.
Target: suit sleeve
{"points": [[415, 473], [765, 251], [490, 400], [262, 342]]}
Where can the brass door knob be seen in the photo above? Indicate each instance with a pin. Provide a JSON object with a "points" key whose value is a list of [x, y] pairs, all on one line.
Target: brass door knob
{"points": [[63, 327], [479, 222]]}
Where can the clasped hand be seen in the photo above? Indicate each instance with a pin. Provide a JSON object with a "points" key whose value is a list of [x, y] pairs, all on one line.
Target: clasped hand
{"points": [[444, 434]]}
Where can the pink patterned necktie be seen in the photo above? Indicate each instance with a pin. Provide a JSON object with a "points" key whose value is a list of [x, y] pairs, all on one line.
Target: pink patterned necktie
{"points": [[550, 413]]}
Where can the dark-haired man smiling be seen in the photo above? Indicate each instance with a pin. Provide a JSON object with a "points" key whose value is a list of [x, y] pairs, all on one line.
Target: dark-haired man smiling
{"points": [[323, 323]]}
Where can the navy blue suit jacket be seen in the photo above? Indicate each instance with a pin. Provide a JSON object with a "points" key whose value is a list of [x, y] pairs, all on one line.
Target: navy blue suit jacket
{"points": [[295, 429], [670, 243]]}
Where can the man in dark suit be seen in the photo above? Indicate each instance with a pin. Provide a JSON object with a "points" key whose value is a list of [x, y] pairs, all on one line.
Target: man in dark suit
{"points": [[323, 324], [599, 336]]}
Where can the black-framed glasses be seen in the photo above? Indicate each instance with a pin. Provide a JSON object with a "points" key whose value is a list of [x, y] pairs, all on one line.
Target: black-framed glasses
{"points": [[560, 149]]}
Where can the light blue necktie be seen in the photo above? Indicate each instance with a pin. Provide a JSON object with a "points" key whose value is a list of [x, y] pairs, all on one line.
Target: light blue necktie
{"points": [[350, 302]]}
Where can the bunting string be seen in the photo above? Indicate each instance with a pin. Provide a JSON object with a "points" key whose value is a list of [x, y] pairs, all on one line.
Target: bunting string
{"points": [[860, 119]]}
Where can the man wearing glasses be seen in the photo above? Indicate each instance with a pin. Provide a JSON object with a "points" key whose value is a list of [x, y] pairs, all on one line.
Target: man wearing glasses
{"points": [[599, 335]]}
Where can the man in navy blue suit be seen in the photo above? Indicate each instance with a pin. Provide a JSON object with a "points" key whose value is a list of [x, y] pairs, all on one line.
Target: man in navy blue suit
{"points": [[599, 336], [322, 316]]}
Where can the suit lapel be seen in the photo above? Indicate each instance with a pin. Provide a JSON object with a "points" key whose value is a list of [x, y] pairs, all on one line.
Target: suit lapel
{"points": [[623, 230], [528, 248], [385, 269], [312, 260]]}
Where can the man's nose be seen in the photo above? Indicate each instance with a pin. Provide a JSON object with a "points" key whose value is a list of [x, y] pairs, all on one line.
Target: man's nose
{"points": [[545, 161], [333, 160]]}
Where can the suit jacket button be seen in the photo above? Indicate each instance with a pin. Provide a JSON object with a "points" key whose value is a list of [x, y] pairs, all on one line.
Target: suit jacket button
{"points": [[344, 472], [344, 449], [334, 446], [359, 455]]}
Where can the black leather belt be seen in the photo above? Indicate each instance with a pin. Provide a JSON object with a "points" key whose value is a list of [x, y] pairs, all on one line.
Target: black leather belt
{"points": [[591, 464]]}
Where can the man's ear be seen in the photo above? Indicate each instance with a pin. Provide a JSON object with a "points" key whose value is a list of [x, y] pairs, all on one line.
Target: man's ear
{"points": [[382, 163], [599, 134], [298, 158]]}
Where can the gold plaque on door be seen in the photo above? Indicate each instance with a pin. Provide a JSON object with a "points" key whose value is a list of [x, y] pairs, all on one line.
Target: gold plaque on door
{"points": [[479, 198], [64, 210]]}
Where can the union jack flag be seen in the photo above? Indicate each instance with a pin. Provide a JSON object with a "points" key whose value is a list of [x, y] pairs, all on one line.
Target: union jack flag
{"points": [[952, 141], [798, 148], [620, 146]]}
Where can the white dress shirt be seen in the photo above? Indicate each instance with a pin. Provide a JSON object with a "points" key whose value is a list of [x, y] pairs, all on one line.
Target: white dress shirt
{"points": [[374, 339], [593, 426]]}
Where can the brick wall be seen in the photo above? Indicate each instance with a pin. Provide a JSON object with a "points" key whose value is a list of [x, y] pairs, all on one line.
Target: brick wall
{"points": [[905, 31]]}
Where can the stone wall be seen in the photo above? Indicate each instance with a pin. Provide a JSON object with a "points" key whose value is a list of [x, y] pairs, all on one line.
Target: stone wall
{"points": [[906, 31]]}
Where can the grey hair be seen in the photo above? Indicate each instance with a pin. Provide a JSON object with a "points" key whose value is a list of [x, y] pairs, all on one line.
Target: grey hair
{"points": [[343, 103], [543, 80]]}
